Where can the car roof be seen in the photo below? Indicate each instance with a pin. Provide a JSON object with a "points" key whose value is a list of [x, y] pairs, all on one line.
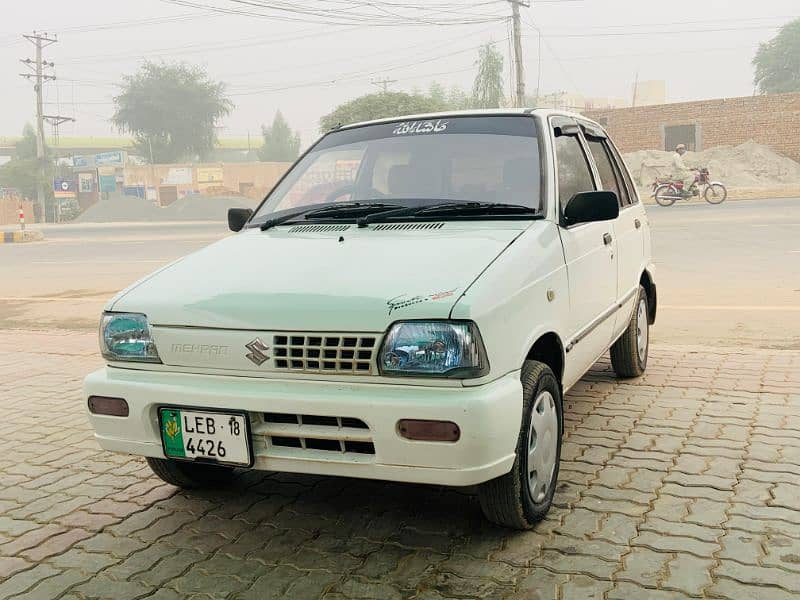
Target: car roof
{"points": [[484, 112]]}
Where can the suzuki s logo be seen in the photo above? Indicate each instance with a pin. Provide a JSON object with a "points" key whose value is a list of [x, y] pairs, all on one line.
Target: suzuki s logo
{"points": [[258, 352]]}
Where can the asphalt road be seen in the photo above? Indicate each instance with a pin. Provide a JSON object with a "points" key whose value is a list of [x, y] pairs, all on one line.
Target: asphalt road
{"points": [[727, 275]]}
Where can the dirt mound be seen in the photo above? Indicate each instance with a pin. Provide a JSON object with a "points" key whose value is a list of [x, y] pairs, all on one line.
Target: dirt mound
{"points": [[119, 208], [205, 208], [747, 165]]}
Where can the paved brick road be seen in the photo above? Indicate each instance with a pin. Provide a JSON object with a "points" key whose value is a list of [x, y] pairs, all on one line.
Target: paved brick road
{"points": [[683, 483]]}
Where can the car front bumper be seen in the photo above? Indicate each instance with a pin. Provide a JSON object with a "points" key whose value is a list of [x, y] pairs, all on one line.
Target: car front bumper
{"points": [[488, 416]]}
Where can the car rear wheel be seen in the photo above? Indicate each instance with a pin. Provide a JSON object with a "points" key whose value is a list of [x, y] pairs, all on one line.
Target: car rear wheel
{"points": [[189, 475], [522, 497], [629, 353]]}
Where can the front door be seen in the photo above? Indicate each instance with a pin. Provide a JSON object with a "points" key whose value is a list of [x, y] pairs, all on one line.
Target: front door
{"points": [[590, 256]]}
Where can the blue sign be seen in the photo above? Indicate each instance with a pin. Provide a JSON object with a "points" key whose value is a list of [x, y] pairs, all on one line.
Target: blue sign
{"points": [[63, 187], [82, 161], [110, 158]]}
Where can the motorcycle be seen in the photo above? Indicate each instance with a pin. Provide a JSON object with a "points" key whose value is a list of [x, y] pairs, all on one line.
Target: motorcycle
{"points": [[666, 191]]}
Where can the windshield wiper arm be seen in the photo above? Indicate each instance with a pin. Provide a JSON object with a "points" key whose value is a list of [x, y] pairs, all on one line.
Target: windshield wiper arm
{"points": [[331, 210], [465, 207]]}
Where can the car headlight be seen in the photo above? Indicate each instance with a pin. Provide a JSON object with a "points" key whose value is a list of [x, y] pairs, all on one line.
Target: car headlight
{"points": [[127, 337], [434, 348]]}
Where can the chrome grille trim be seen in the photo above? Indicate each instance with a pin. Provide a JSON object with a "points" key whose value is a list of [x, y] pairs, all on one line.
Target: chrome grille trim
{"points": [[340, 353]]}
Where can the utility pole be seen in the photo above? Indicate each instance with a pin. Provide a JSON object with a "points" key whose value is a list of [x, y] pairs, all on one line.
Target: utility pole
{"points": [[516, 22], [384, 83], [37, 66]]}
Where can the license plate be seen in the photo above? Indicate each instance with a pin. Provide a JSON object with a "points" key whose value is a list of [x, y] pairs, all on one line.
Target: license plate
{"points": [[218, 437]]}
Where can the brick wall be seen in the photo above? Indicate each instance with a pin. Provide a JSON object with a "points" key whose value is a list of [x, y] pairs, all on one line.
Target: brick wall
{"points": [[772, 120]]}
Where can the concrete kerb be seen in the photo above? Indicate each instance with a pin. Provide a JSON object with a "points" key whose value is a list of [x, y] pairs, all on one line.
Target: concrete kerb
{"points": [[27, 235]]}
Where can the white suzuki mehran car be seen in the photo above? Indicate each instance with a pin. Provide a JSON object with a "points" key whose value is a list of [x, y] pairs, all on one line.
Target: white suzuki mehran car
{"points": [[409, 303]]}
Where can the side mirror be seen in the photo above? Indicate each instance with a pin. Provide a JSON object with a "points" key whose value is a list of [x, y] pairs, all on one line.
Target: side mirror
{"points": [[586, 207], [237, 217]]}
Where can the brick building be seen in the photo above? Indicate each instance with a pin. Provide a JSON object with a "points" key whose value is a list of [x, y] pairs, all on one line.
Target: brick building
{"points": [[772, 120]]}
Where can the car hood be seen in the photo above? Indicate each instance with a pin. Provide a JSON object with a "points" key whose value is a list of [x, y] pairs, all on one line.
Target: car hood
{"points": [[321, 277]]}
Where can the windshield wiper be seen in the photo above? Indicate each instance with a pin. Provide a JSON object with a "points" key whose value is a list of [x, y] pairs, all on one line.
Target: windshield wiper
{"points": [[458, 208], [329, 210]]}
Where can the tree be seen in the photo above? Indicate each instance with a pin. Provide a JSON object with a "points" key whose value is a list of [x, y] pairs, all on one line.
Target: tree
{"points": [[280, 142], [378, 106], [172, 111], [21, 171], [777, 62], [26, 147], [487, 92]]}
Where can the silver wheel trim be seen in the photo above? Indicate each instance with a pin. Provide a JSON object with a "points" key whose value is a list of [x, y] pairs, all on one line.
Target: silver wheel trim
{"points": [[542, 446], [642, 332]]}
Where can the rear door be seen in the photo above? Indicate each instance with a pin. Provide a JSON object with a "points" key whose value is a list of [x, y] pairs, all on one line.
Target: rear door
{"points": [[589, 253], [628, 226]]}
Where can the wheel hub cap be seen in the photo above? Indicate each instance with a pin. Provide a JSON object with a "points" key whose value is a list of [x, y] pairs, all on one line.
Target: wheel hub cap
{"points": [[542, 441], [641, 330]]}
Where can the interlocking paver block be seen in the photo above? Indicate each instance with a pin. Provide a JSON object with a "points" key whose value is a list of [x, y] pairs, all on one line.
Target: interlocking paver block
{"points": [[660, 476]]}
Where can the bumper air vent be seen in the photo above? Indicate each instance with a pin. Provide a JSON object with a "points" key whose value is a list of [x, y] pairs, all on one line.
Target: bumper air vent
{"points": [[293, 435]]}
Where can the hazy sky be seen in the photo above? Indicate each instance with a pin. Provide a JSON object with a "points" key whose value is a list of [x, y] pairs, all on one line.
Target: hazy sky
{"points": [[702, 48]]}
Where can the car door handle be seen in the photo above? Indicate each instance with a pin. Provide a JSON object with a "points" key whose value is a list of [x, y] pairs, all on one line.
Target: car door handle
{"points": [[638, 223], [607, 239]]}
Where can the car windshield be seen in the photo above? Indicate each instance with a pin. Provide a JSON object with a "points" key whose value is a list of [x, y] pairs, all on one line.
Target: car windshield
{"points": [[414, 163]]}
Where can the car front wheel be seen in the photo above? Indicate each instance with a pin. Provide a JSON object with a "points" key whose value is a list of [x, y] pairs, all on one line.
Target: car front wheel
{"points": [[522, 497], [189, 475]]}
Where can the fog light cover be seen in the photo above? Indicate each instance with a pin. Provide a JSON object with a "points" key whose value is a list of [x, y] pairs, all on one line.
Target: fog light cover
{"points": [[428, 431], [434, 348], [103, 405]]}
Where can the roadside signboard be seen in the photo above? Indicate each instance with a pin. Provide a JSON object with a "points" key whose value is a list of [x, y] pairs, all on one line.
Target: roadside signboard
{"points": [[116, 158], [63, 187], [209, 175], [86, 181]]}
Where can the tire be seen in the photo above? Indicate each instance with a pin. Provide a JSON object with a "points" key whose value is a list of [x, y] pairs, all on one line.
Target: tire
{"points": [[666, 195], [715, 193], [508, 499], [629, 352], [189, 475]]}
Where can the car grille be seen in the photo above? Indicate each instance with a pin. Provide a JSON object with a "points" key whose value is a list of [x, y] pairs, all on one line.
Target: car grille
{"points": [[325, 353], [293, 435]]}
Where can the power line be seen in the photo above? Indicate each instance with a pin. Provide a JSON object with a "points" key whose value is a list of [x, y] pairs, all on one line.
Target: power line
{"points": [[37, 73], [295, 12]]}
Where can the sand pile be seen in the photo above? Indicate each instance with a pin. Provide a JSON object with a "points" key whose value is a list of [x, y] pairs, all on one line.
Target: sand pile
{"points": [[747, 165], [119, 208]]}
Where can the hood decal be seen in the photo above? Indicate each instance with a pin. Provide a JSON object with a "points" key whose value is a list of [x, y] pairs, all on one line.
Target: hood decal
{"points": [[404, 301]]}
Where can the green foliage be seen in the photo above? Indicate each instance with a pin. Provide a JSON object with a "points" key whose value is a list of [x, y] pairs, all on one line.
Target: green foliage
{"points": [[280, 142], [487, 91], [26, 147], [173, 109], [379, 106], [21, 171], [777, 62]]}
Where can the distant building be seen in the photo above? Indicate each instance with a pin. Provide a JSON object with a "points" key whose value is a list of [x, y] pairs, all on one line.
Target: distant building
{"points": [[579, 103], [649, 93], [772, 120]]}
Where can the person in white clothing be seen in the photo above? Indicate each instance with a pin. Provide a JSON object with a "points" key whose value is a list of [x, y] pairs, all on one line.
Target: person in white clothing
{"points": [[680, 172]]}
